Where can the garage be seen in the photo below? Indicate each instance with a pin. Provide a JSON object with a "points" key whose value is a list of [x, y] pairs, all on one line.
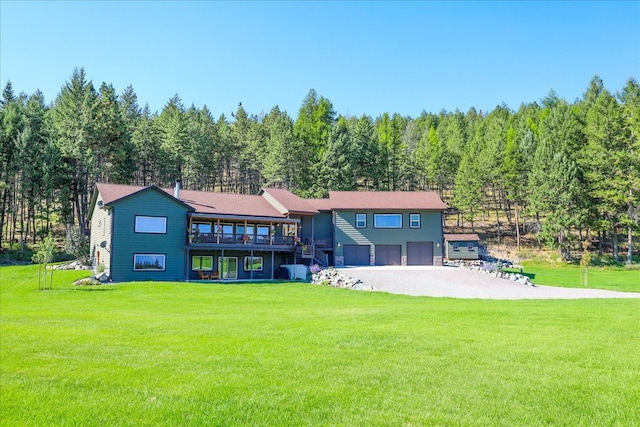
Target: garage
{"points": [[388, 254], [419, 253], [356, 254]]}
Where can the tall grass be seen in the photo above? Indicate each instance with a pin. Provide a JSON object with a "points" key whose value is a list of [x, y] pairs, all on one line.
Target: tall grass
{"points": [[141, 354]]}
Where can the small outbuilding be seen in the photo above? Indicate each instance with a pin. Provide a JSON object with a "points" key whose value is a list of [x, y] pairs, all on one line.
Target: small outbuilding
{"points": [[462, 246]]}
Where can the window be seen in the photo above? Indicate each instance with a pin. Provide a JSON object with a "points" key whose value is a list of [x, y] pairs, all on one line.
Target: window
{"points": [[414, 220], [225, 232], [361, 220], [387, 220], [151, 224], [244, 234], [201, 227], [262, 234], [455, 245], [289, 229], [470, 246], [201, 232], [253, 263], [148, 262], [199, 262]]}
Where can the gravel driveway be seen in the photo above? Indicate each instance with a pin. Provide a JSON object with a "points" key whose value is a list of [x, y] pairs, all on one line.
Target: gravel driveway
{"points": [[456, 282]]}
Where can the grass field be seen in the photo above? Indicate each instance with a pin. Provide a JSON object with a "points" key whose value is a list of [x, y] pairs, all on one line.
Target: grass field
{"points": [[565, 275], [141, 354]]}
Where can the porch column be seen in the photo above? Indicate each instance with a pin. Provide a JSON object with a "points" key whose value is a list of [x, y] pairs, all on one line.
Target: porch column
{"points": [[221, 266], [313, 240], [273, 266], [218, 231]]}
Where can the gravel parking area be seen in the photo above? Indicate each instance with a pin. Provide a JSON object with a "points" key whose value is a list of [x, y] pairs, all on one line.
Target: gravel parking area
{"points": [[456, 282]]}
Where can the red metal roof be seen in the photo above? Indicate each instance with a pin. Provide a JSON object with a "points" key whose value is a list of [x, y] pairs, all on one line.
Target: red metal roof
{"points": [[228, 203], [396, 200], [320, 204], [200, 201], [471, 237], [112, 192], [257, 205]]}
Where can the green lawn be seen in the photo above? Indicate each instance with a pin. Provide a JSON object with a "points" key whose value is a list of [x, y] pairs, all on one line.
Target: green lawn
{"points": [[174, 354], [612, 278]]}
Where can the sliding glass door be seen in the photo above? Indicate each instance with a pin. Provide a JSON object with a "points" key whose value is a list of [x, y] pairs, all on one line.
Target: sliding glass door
{"points": [[228, 267]]}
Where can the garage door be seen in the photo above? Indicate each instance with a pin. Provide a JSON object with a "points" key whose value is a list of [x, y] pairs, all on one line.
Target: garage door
{"points": [[356, 254], [388, 254], [419, 253]]}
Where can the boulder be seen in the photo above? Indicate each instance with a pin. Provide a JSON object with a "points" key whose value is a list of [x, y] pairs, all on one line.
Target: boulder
{"points": [[102, 277], [332, 277]]}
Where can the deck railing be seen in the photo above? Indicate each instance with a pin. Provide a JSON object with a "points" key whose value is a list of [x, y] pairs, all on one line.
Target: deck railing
{"points": [[240, 239]]}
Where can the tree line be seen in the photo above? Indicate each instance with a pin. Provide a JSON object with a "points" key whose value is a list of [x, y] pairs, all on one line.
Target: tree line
{"points": [[563, 171]]}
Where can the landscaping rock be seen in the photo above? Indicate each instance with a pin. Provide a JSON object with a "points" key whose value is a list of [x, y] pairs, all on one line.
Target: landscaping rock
{"points": [[331, 277], [493, 269], [102, 278], [99, 279], [73, 265], [87, 281]]}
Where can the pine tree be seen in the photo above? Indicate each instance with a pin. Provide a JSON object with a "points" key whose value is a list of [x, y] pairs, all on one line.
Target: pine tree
{"points": [[73, 120], [630, 162], [312, 129]]}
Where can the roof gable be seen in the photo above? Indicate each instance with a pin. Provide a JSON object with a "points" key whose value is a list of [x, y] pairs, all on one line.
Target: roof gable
{"points": [[114, 193], [289, 201]]}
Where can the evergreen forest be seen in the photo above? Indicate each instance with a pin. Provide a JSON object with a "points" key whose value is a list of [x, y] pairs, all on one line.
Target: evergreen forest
{"points": [[560, 171]]}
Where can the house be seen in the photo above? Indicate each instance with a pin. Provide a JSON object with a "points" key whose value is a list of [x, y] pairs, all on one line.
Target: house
{"points": [[462, 246], [383, 227], [152, 233]]}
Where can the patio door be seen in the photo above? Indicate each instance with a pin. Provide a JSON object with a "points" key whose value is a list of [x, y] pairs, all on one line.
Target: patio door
{"points": [[228, 267]]}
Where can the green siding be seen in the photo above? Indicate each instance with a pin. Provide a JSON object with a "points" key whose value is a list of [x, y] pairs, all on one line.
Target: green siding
{"points": [[463, 251], [126, 242], [323, 226], [347, 234]]}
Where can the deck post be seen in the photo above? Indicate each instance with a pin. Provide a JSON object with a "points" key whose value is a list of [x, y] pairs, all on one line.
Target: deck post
{"points": [[222, 265]]}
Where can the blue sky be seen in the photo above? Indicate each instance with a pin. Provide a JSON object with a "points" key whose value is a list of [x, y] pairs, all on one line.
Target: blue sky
{"points": [[365, 57]]}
